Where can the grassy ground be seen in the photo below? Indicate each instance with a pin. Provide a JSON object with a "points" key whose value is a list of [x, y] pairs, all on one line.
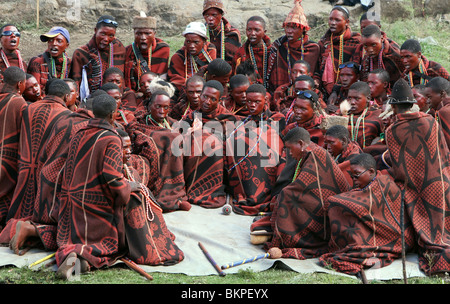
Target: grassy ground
{"points": [[120, 274]]}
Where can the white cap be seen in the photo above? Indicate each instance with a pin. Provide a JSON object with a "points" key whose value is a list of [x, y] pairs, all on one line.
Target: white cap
{"points": [[197, 28]]}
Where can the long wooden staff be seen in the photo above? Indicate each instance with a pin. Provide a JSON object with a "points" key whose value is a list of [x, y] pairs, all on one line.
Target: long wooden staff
{"points": [[402, 222], [136, 268], [245, 261], [211, 260]]}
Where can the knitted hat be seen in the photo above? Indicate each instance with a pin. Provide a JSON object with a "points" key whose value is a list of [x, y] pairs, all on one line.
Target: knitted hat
{"points": [[197, 28], [207, 4], [297, 16], [401, 93], [143, 21]]}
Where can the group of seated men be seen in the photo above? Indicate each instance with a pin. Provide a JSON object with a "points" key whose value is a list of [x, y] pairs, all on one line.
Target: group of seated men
{"points": [[338, 148]]}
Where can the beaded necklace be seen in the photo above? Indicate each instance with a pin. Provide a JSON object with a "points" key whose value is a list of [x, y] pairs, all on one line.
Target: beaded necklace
{"points": [[355, 129], [297, 170], [6, 61], [380, 60], [253, 59], [110, 61], [194, 67], [165, 124], [123, 116], [65, 67], [222, 37], [251, 150], [422, 70], [341, 54], [146, 194]]}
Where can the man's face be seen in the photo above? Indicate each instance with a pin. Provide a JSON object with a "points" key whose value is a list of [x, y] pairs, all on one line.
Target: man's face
{"points": [[224, 80], [347, 77], [293, 32], [255, 103], [32, 90], [364, 23], [297, 70], [10, 39], [144, 38], [209, 98], [57, 45], [117, 95], [104, 36], [333, 145], [159, 108], [360, 176], [421, 98], [410, 60], [255, 32], [303, 110], [377, 87], [72, 98], [144, 84], [434, 98], [116, 79], [239, 95], [127, 150], [302, 85], [193, 92], [295, 149], [194, 44], [337, 22], [212, 16], [357, 100], [372, 45]]}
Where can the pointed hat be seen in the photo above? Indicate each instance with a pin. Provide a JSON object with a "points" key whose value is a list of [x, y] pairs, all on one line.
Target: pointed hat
{"points": [[297, 15]]}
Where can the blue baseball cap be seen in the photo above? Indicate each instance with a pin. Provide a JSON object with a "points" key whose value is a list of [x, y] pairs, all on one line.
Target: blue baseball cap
{"points": [[55, 31]]}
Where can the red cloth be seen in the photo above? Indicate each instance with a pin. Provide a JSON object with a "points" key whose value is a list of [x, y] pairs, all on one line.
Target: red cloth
{"points": [[94, 194], [232, 40], [432, 69], [391, 61], [88, 55], [278, 67], [166, 180], [343, 160], [149, 241], [370, 127], [313, 126], [38, 120], [11, 109], [443, 115], [253, 166], [365, 227], [299, 220], [260, 54], [178, 63], [419, 156], [39, 69], [13, 60], [204, 164], [159, 63], [351, 42]]}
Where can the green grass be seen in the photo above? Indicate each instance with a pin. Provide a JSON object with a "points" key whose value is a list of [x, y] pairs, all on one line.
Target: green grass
{"points": [[120, 274]]}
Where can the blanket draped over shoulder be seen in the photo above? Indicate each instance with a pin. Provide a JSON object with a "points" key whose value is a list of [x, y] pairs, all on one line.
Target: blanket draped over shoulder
{"points": [[299, 219]]}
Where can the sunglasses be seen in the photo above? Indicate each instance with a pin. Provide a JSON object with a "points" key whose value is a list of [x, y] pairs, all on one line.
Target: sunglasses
{"points": [[358, 175], [349, 65], [109, 21], [10, 33], [305, 94]]}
